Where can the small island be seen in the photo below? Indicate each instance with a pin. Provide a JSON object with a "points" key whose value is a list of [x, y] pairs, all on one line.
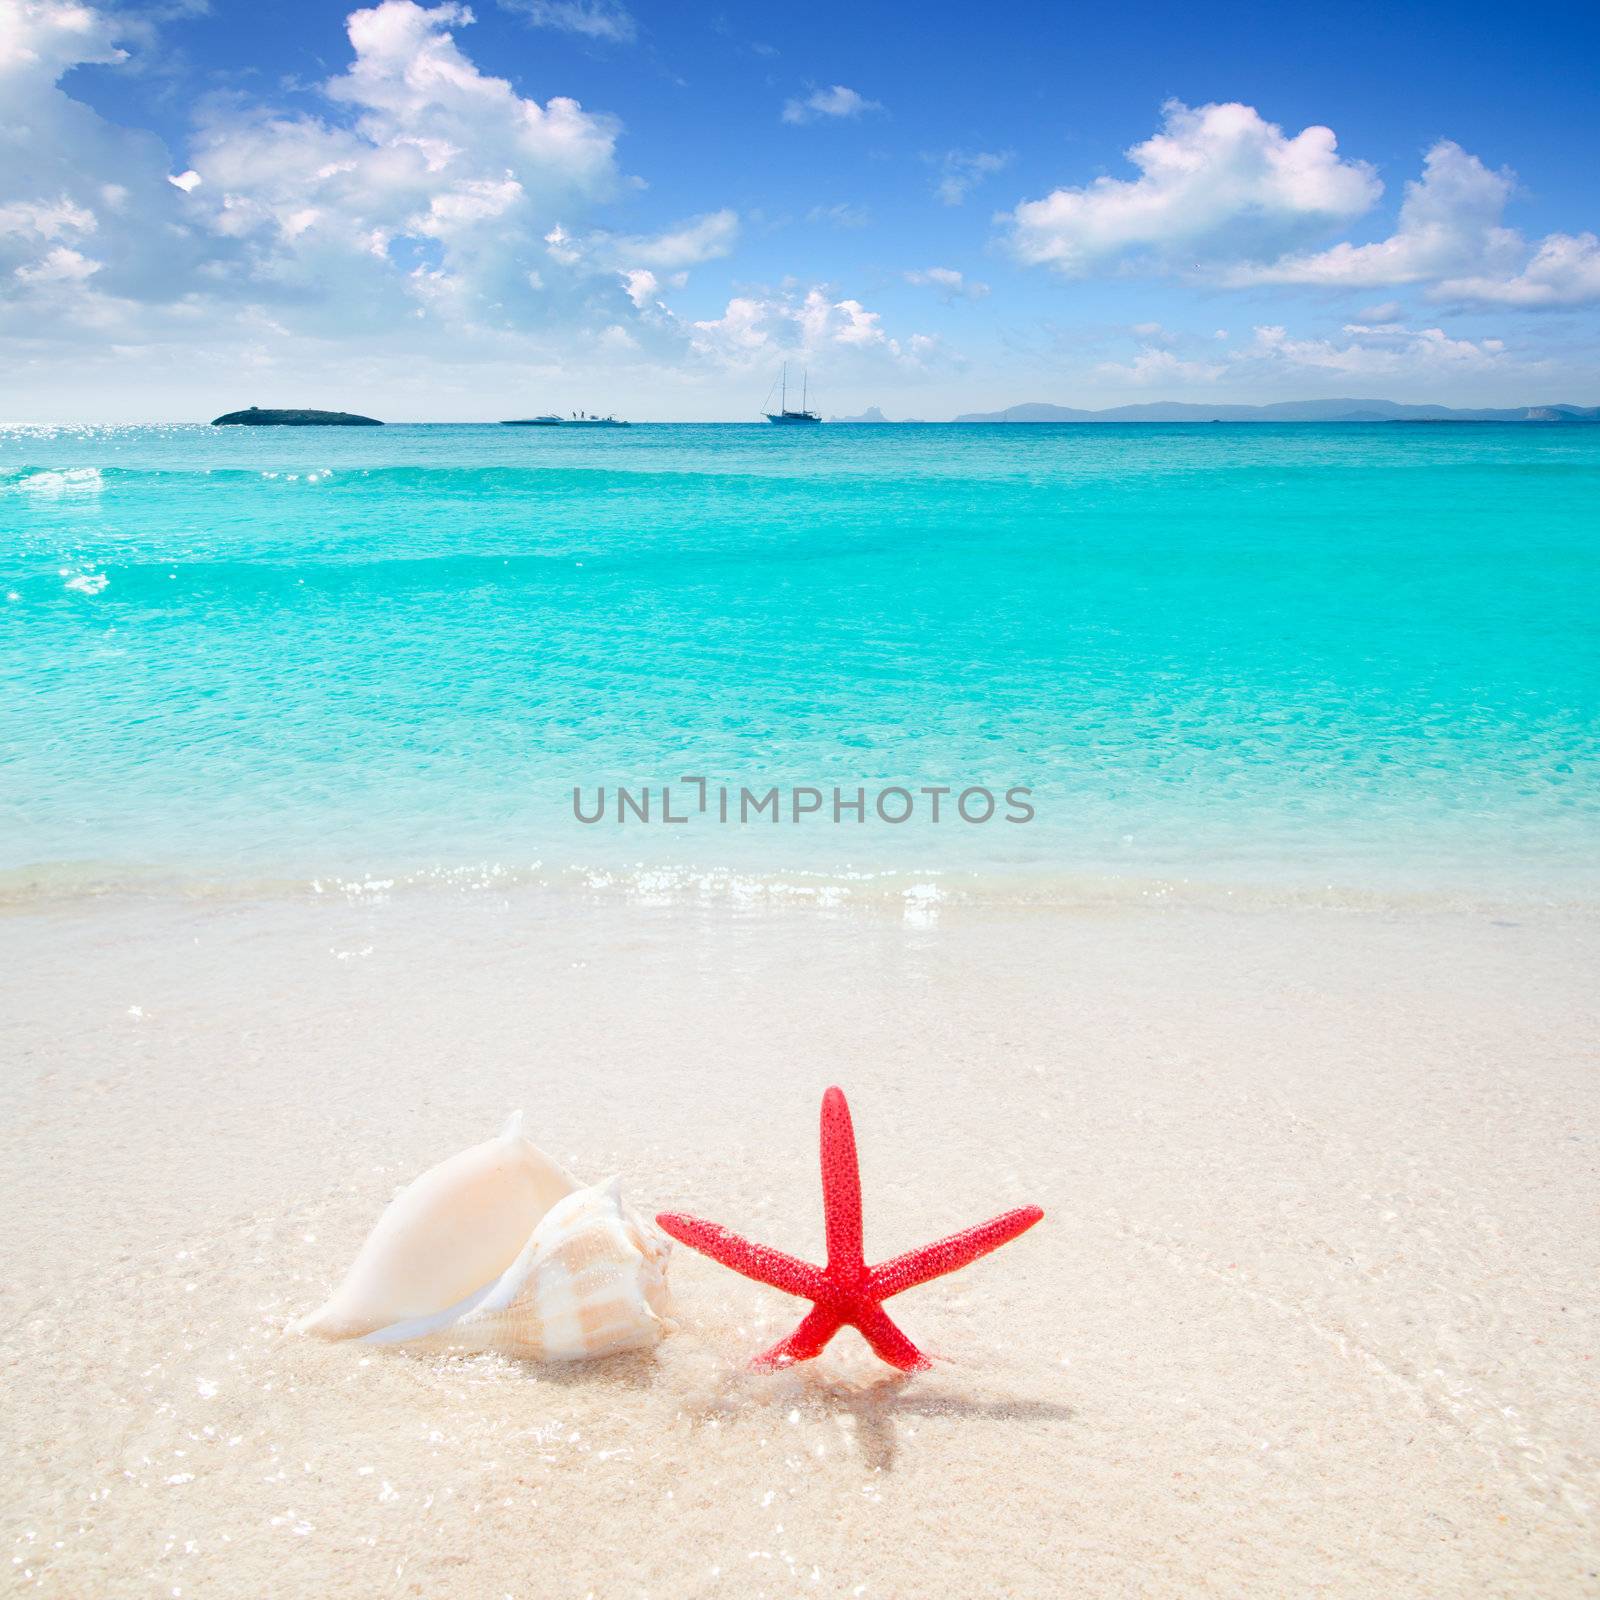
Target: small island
{"points": [[255, 417]]}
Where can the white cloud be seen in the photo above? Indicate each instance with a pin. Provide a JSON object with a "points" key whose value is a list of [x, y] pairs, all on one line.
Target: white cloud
{"points": [[67, 176], [1155, 365], [1362, 350], [1218, 179], [1564, 271], [60, 218], [60, 265], [699, 239], [629, 256], [1377, 351], [1450, 236], [560, 246], [756, 328], [641, 287], [841, 215], [1449, 219], [964, 170], [594, 19], [1219, 188], [39, 42], [442, 186], [950, 284], [835, 102]]}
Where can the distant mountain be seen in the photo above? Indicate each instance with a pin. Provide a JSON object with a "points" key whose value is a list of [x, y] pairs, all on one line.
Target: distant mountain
{"points": [[873, 414], [1284, 411]]}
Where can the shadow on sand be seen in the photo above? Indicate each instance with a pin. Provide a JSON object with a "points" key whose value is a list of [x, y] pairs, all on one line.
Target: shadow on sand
{"points": [[878, 1409]]}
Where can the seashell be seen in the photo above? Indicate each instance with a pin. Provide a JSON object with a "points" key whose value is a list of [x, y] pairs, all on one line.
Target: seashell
{"points": [[590, 1281], [446, 1236], [499, 1248]]}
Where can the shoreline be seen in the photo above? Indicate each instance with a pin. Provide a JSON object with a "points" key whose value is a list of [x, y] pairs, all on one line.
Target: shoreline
{"points": [[896, 889], [1312, 1308]]}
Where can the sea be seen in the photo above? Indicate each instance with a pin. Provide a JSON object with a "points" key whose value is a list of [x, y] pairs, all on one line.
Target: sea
{"points": [[1034, 661]]}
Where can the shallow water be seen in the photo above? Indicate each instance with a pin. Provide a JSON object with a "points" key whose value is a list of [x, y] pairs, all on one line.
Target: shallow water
{"points": [[1360, 655]]}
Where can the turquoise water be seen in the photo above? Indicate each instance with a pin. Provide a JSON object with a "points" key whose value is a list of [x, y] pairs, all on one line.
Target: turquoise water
{"points": [[1361, 655]]}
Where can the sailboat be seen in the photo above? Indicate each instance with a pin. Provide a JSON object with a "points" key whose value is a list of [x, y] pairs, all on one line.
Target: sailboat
{"points": [[783, 413]]}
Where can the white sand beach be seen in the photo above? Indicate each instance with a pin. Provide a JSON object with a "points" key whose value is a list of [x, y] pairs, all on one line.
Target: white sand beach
{"points": [[1312, 1311]]}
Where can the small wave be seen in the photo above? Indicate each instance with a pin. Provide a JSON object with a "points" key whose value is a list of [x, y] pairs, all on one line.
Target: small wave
{"points": [[57, 481], [88, 582]]}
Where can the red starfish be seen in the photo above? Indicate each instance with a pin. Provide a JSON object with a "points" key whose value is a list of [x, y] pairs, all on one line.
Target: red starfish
{"points": [[847, 1290]]}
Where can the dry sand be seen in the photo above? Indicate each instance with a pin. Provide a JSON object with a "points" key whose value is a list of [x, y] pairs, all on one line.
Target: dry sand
{"points": [[1312, 1311]]}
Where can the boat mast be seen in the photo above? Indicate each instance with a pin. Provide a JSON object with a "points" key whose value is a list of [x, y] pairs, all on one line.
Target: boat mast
{"points": [[783, 404], [805, 387]]}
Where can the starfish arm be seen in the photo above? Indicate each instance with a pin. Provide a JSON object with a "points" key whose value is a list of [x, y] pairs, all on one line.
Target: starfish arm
{"points": [[889, 1342], [756, 1261], [934, 1260], [841, 1183], [817, 1327]]}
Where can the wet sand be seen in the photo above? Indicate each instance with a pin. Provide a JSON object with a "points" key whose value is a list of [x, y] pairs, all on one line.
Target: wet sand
{"points": [[1313, 1309]]}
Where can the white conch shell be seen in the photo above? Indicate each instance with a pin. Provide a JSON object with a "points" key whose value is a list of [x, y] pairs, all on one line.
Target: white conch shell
{"points": [[590, 1281], [499, 1249], [445, 1236]]}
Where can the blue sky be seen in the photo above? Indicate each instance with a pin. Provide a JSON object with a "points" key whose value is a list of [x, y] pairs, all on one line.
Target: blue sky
{"points": [[437, 212]]}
